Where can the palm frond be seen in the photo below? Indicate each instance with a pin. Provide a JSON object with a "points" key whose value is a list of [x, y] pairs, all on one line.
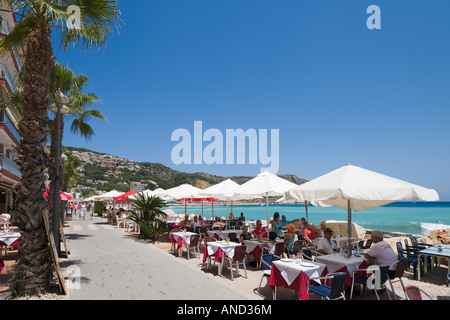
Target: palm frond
{"points": [[16, 40]]}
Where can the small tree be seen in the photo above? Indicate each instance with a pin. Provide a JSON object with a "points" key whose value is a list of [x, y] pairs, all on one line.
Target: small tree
{"points": [[99, 207], [147, 214]]}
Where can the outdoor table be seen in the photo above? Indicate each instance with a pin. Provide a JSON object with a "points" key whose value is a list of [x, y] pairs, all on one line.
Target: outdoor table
{"points": [[340, 239], [223, 235], [434, 251], [9, 239], [294, 275], [219, 249], [180, 238], [340, 263], [254, 248]]}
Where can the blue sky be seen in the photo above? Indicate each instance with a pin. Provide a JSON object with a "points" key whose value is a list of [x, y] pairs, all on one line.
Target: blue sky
{"points": [[337, 92]]}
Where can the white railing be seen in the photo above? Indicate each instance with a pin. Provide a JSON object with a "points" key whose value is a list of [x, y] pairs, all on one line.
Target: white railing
{"points": [[9, 165], [4, 73]]}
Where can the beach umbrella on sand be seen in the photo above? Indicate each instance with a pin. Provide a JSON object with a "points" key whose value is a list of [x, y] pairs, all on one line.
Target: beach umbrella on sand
{"points": [[351, 187], [265, 185]]}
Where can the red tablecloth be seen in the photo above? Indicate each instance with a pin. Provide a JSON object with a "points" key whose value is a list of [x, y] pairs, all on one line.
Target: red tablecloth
{"points": [[179, 242], [218, 254], [257, 252], [348, 277], [14, 244], [300, 284]]}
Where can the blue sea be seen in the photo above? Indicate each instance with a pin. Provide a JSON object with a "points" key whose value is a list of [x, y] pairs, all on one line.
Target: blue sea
{"points": [[418, 218]]}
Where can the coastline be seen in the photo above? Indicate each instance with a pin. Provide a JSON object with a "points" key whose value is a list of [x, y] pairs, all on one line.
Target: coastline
{"points": [[410, 218]]}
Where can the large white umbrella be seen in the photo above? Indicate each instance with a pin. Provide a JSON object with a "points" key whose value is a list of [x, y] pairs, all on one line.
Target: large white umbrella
{"points": [[149, 193], [109, 195], [351, 187], [223, 190], [220, 190], [266, 185], [182, 191]]}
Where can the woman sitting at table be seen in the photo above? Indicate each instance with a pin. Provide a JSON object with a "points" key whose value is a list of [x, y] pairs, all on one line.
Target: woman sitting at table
{"points": [[321, 229], [290, 237], [245, 235], [217, 224]]}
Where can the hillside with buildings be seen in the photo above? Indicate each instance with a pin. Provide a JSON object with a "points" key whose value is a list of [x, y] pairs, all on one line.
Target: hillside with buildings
{"points": [[103, 172]]}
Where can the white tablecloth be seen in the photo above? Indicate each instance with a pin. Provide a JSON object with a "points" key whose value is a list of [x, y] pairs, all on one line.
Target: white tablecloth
{"points": [[227, 248], [9, 238], [251, 245], [224, 234], [337, 261], [291, 270], [185, 236], [338, 240]]}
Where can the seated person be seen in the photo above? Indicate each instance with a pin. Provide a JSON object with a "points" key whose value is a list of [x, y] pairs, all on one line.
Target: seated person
{"points": [[270, 247], [326, 245], [284, 222], [290, 237], [321, 228], [245, 235], [217, 224], [260, 231], [310, 233], [231, 216], [241, 219], [381, 253]]}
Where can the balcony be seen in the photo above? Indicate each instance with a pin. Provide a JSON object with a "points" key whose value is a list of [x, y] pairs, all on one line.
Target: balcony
{"points": [[6, 76], [9, 128], [9, 165], [4, 27]]}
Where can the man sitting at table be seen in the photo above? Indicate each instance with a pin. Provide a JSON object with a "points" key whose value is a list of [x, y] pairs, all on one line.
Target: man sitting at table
{"points": [[310, 233], [381, 253], [326, 245], [259, 231]]}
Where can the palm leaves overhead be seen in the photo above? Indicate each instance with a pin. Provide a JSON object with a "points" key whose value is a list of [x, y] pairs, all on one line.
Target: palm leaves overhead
{"points": [[32, 36], [97, 19]]}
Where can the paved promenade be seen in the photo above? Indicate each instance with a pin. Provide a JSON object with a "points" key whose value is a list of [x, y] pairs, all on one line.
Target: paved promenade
{"points": [[113, 264]]}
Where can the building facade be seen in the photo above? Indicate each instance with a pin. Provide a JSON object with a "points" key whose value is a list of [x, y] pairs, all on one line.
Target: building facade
{"points": [[10, 65]]}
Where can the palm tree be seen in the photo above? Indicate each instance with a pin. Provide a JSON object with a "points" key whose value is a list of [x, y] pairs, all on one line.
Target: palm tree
{"points": [[32, 36], [71, 174], [66, 82], [146, 213]]}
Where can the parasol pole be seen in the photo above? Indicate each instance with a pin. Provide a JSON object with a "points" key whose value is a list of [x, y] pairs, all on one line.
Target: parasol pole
{"points": [[267, 210], [306, 209], [349, 218], [226, 216]]}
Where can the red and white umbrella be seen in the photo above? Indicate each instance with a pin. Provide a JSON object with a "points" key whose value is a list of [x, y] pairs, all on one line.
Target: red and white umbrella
{"points": [[124, 197], [62, 195]]}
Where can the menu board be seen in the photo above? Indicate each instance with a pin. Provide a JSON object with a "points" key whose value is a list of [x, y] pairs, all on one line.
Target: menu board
{"points": [[54, 253]]}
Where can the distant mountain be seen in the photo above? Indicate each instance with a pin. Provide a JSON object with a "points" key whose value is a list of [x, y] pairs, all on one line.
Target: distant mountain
{"points": [[103, 172]]}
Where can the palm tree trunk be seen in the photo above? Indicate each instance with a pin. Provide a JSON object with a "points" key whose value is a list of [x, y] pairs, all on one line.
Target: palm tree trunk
{"points": [[34, 269], [52, 161]]}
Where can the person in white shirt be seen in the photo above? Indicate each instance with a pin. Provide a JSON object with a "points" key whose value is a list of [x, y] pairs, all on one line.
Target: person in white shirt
{"points": [[326, 245], [381, 253]]}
